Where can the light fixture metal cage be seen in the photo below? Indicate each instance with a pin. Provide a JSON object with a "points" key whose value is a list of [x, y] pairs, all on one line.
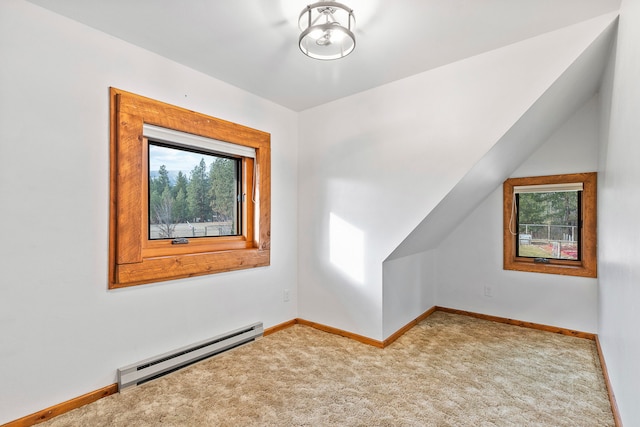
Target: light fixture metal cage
{"points": [[327, 30]]}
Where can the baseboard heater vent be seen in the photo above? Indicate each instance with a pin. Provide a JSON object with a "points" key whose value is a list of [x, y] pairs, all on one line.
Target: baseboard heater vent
{"points": [[155, 367]]}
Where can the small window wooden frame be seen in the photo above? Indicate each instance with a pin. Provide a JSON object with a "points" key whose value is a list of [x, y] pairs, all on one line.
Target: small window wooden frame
{"points": [[134, 259], [587, 265]]}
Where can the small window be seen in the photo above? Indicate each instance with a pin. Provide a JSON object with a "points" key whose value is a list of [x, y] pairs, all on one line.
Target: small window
{"points": [[547, 221], [190, 194], [550, 224]]}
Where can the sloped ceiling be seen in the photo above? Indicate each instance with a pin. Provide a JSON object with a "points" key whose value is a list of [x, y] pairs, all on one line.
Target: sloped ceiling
{"points": [[252, 44], [571, 90]]}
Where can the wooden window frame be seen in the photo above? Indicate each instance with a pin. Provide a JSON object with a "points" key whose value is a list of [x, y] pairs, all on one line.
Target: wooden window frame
{"points": [[134, 259], [587, 265]]}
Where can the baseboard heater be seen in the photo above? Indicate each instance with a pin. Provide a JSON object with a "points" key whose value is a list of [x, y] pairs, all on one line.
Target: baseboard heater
{"points": [[155, 367]]}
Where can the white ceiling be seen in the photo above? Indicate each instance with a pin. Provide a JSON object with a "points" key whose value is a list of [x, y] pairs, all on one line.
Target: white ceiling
{"points": [[252, 44]]}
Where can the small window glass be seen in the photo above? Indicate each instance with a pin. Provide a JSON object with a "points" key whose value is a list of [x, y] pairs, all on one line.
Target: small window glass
{"points": [[548, 225]]}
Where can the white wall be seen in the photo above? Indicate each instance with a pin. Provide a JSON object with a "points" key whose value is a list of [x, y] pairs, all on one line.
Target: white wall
{"points": [[62, 332], [470, 259], [410, 289], [376, 163], [619, 205]]}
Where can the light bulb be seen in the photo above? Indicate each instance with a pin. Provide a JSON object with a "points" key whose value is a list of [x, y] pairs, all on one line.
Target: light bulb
{"points": [[326, 39]]}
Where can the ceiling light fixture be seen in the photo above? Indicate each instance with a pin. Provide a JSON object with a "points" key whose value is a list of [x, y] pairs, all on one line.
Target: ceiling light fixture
{"points": [[327, 30]]}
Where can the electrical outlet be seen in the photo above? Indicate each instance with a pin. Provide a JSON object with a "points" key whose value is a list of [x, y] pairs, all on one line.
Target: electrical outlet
{"points": [[285, 295], [488, 292]]}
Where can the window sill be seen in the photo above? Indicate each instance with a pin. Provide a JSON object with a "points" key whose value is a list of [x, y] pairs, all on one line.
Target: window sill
{"points": [[190, 265], [566, 268]]}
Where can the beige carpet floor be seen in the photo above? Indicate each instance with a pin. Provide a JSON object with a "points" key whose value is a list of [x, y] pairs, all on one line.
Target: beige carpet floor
{"points": [[449, 370]]}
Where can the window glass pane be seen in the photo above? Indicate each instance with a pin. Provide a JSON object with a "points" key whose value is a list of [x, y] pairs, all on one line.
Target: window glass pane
{"points": [[192, 194], [548, 225]]}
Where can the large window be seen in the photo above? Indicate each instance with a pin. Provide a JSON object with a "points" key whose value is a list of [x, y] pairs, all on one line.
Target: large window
{"points": [[198, 195], [190, 194], [550, 224]]}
